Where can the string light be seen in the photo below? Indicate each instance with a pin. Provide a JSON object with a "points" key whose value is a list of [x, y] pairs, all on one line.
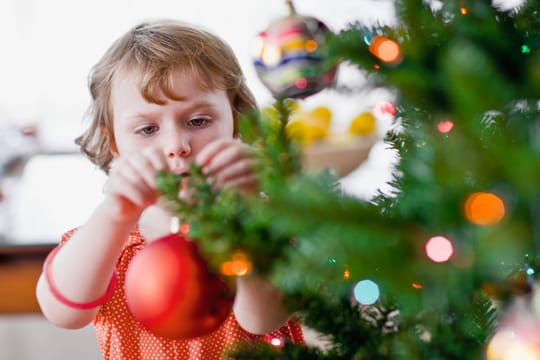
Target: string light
{"points": [[445, 126], [439, 249], [346, 273], [384, 108], [367, 39], [276, 342], [238, 266], [366, 292], [385, 49], [483, 208], [184, 228]]}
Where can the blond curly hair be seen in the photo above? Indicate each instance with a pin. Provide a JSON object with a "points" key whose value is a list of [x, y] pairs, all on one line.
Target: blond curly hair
{"points": [[155, 50]]}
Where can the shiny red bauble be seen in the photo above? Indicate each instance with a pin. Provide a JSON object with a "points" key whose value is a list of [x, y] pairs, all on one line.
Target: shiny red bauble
{"points": [[171, 291]]}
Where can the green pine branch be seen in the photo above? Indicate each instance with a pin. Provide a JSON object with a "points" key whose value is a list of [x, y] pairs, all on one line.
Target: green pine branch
{"points": [[468, 63]]}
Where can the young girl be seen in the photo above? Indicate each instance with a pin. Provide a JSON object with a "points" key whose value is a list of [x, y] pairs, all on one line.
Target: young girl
{"points": [[163, 96]]}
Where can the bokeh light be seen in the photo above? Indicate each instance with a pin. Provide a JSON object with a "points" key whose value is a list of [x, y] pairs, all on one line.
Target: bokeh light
{"points": [[184, 228], [439, 249], [482, 208], [385, 49], [384, 108], [445, 126], [346, 273], [389, 51], [507, 345], [276, 342], [366, 292], [238, 266]]}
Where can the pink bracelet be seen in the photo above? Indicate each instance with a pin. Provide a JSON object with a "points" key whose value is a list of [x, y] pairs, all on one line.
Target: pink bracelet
{"points": [[76, 305]]}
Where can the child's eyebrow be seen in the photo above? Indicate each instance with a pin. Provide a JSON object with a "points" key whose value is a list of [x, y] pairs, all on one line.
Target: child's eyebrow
{"points": [[143, 115], [191, 106], [198, 104]]}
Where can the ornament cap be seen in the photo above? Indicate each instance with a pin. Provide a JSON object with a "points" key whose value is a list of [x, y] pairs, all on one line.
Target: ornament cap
{"points": [[290, 7]]}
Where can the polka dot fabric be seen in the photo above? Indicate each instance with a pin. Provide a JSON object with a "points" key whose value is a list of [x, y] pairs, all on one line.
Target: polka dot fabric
{"points": [[120, 336]]}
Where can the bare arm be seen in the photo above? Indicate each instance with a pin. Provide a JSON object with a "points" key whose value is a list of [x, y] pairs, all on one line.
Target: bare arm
{"points": [[83, 267], [258, 306]]}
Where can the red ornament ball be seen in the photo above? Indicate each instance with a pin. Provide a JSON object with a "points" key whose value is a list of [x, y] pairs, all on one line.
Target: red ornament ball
{"points": [[171, 291], [290, 56]]}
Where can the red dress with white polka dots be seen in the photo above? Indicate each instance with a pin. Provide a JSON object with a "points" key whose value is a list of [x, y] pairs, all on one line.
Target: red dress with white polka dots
{"points": [[120, 336]]}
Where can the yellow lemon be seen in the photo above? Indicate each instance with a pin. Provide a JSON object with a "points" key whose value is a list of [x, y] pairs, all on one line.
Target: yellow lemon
{"points": [[305, 132], [323, 114], [363, 124], [309, 126]]}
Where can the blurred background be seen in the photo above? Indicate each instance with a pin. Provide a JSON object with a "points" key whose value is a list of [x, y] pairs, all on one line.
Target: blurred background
{"points": [[48, 49], [47, 187]]}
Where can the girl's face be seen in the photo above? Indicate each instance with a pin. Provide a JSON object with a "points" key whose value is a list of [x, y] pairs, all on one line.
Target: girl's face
{"points": [[178, 128]]}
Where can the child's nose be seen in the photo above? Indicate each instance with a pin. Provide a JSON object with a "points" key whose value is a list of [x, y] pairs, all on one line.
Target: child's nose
{"points": [[178, 147]]}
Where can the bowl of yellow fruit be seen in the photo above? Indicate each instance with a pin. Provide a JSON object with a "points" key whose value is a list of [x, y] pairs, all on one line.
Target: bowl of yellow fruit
{"points": [[322, 148]]}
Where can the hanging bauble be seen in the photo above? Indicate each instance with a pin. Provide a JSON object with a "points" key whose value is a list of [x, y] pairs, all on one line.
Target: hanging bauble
{"points": [[290, 56], [171, 291]]}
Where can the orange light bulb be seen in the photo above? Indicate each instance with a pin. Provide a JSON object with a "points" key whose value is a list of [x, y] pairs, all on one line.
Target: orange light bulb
{"points": [[482, 208]]}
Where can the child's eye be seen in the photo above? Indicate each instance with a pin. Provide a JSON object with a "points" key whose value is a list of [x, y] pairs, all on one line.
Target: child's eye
{"points": [[198, 121], [147, 130]]}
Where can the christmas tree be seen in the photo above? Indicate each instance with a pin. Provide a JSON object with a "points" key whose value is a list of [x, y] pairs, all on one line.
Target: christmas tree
{"points": [[434, 270]]}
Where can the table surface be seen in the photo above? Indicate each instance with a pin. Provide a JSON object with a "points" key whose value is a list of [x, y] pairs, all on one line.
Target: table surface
{"points": [[20, 267]]}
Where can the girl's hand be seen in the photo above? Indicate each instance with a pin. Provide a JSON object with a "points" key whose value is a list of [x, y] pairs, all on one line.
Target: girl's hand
{"points": [[228, 163], [132, 182]]}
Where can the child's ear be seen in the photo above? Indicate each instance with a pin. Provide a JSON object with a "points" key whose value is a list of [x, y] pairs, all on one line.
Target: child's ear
{"points": [[113, 149], [110, 140]]}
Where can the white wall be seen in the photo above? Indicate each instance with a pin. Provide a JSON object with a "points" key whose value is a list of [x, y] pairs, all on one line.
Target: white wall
{"points": [[49, 46]]}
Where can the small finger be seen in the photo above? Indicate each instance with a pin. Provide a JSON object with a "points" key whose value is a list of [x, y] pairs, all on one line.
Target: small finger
{"points": [[236, 169], [127, 177], [211, 150], [129, 191], [247, 183], [142, 168]]}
